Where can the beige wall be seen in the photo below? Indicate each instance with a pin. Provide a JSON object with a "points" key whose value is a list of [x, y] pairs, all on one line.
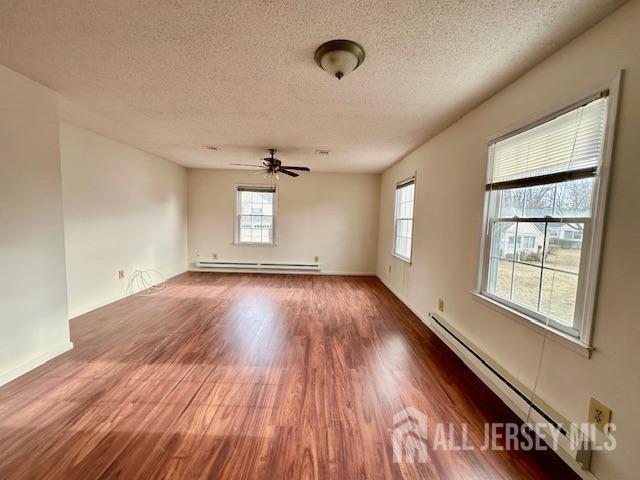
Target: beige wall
{"points": [[123, 209], [333, 216], [451, 172], [33, 301]]}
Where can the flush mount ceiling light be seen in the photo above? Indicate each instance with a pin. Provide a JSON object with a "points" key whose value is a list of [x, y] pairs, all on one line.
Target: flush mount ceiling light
{"points": [[339, 57]]}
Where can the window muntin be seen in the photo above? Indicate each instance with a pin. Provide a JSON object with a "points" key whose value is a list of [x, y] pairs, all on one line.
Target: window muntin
{"points": [[255, 213], [540, 192], [403, 227]]}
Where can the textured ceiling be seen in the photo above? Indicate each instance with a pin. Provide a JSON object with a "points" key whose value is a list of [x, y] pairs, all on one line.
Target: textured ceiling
{"points": [[169, 77]]}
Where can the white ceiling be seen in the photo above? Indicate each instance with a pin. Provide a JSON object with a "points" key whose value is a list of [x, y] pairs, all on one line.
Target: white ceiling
{"points": [[169, 77]]}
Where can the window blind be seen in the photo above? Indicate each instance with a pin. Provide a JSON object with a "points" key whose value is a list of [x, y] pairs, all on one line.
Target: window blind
{"points": [[406, 183], [256, 189], [569, 143]]}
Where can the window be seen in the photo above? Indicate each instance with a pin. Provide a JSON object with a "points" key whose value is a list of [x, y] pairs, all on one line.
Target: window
{"points": [[404, 219], [542, 187], [255, 214]]}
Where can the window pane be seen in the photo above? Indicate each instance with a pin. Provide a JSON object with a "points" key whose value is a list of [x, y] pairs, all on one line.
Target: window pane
{"points": [[512, 202], [503, 240], [500, 275], [526, 285], [530, 242], [256, 208], [245, 221], [401, 246], [539, 201], [558, 297], [410, 189], [564, 246], [573, 199], [245, 197], [245, 234], [267, 209]]}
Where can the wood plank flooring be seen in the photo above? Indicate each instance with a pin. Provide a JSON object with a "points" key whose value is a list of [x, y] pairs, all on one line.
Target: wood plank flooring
{"points": [[250, 376]]}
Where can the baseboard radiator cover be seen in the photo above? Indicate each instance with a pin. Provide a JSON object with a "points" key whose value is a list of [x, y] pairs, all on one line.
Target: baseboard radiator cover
{"points": [[578, 450], [258, 266], [573, 451]]}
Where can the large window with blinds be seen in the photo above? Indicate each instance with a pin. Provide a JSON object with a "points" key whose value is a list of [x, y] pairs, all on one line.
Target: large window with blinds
{"points": [[542, 190], [403, 231], [255, 215]]}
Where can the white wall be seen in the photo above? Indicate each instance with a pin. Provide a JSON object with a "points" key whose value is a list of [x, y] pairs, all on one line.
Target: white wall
{"points": [[333, 216], [451, 172], [123, 209], [33, 300]]}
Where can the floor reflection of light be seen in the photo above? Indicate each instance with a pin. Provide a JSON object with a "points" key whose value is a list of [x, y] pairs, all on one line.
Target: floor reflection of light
{"points": [[255, 328], [392, 353]]}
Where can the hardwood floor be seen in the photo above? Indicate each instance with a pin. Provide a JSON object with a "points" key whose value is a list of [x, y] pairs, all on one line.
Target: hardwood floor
{"points": [[251, 376]]}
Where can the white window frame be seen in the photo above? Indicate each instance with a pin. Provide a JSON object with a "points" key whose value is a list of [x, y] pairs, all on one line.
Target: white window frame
{"points": [[592, 235], [236, 220], [398, 185]]}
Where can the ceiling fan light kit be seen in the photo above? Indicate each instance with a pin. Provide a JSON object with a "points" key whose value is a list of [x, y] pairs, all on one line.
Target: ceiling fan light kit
{"points": [[339, 57]]}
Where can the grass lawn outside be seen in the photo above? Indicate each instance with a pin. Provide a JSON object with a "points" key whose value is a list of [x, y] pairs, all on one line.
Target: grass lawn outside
{"points": [[558, 290]]}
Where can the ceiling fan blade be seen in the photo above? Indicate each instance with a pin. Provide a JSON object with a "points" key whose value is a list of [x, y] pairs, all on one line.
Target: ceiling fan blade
{"points": [[287, 172], [245, 165], [303, 169]]}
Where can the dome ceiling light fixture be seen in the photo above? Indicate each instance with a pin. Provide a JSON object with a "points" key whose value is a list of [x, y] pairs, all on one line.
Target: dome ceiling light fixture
{"points": [[339, 57]]}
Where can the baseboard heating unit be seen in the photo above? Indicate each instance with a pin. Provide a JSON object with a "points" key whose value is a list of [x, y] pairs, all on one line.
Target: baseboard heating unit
{"points": [[576, 447], [258, 266]]}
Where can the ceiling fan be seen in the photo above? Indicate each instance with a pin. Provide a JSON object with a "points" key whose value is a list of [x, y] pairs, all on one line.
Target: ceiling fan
{"points": [[272, 166]]}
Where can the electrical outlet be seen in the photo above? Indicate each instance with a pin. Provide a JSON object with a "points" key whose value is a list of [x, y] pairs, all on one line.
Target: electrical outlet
{"points": [[316, 259], [120, 274], [440, 305], [389, 268], [599, 414], [214, 256]]}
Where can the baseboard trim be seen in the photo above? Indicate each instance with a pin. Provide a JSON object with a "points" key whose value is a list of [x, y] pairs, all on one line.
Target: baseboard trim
{"points": [[35, 362], [519, 407]]}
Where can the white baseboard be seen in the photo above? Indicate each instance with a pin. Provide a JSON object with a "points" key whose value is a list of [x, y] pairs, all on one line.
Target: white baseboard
{"points": [[517, 405], [34, 362]]}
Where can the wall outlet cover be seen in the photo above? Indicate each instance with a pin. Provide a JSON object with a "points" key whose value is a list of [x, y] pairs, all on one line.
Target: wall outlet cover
{"points": [[316, 259], [599, 414], [440, 305], [120, 274]]}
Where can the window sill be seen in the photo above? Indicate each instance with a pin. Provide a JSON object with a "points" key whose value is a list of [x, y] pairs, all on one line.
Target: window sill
{"points": [[254, 244], [406, 260], [555, 335]]}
